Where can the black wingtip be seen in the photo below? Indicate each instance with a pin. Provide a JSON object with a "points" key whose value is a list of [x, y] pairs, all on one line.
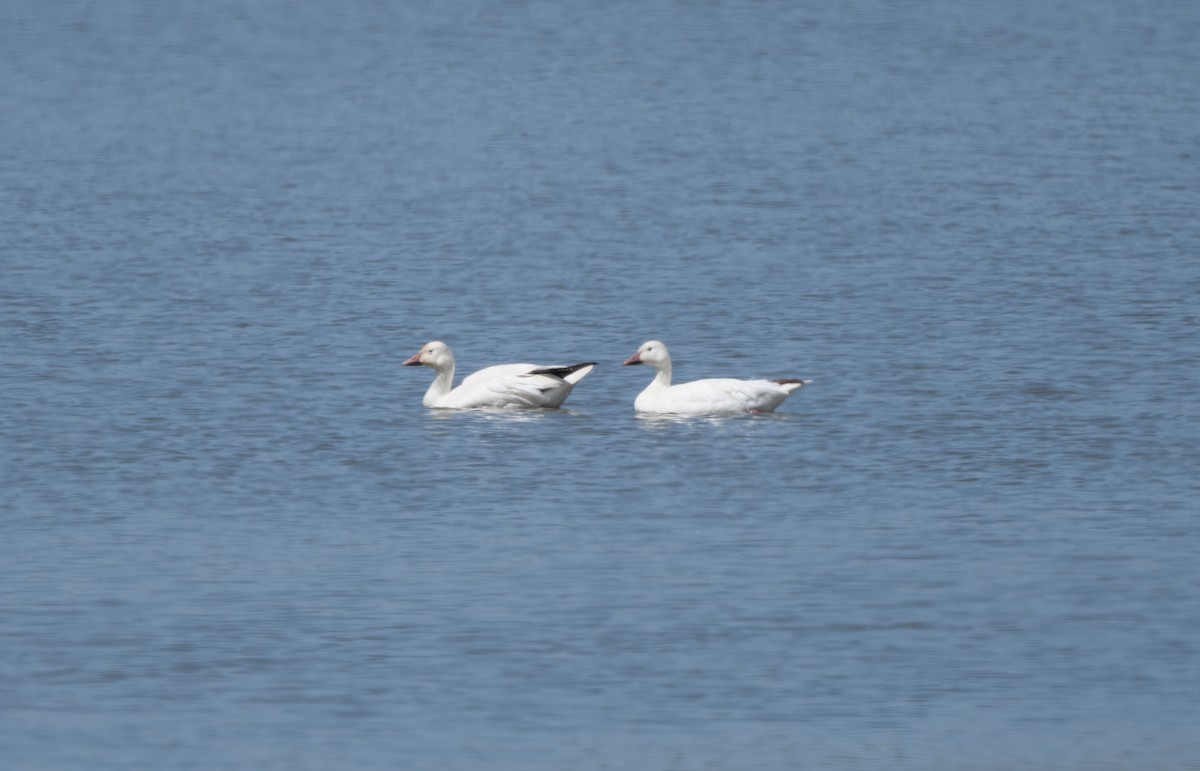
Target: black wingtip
{"points": [[562, 372]]}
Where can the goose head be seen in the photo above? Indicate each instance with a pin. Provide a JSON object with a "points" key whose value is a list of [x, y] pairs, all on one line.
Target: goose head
{"points": [[651, 352], [435, 354]]}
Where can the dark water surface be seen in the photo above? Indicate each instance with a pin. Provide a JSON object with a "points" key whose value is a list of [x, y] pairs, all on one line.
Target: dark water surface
{"points": [[233, 538]]}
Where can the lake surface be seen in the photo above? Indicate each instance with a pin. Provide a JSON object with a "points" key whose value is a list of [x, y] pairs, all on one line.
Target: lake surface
{"points": [[233, 537]]}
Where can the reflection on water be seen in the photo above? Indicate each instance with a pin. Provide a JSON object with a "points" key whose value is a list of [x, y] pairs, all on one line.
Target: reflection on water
{"points": [[711, 420], [501, 414]]}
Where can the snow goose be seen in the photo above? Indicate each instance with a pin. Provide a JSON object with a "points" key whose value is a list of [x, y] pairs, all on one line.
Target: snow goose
{"points": [[504, 385], [715, 396]]}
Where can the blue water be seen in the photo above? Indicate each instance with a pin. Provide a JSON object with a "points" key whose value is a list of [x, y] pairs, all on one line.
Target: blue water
{"points": [[232, 537]]}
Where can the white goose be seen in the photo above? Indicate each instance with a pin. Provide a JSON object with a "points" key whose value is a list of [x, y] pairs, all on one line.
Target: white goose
{"points": [[504, 385], [715, 396]]}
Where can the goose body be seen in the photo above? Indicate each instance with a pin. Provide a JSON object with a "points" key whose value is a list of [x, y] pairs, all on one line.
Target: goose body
{"points": [[714, 396], [501, 386]]}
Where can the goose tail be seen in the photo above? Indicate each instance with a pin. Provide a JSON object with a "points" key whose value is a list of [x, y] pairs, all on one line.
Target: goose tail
{"points": [[791, 384]]}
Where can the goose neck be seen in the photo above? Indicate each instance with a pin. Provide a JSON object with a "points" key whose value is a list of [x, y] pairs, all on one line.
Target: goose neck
{"points": [[441, 385], [662, 376]]}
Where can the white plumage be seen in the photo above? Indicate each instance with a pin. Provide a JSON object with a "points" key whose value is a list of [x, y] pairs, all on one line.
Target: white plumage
{"points": [[504, 385], [715, 396]]}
